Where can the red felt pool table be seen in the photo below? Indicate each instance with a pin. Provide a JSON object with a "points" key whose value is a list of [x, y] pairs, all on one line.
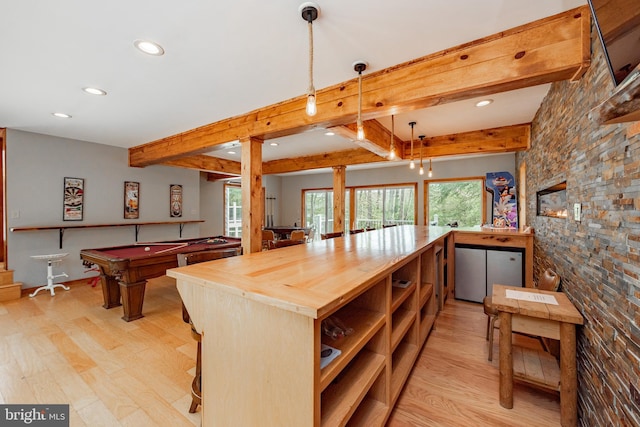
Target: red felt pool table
{"points": [[126, 269]]}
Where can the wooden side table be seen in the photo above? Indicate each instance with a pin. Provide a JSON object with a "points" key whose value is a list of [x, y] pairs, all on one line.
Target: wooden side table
{"points": [[537, 367]]}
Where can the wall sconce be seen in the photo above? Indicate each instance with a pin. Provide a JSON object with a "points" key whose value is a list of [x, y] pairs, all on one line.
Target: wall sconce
{"points": [[421, 168], [412, 165], [310, 12], [359, 67]]}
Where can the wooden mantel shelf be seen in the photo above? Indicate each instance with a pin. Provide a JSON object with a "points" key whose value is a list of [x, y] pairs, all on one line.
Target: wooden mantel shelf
{"points": [[61, 228], [623, 106]]}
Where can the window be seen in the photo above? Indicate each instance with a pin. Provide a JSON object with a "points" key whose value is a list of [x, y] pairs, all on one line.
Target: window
{"points": [[371, 206], [318, 210], [460, 200], [378, 206], [232, 210]]}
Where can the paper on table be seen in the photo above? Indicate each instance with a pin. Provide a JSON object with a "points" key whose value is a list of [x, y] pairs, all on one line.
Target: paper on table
{"points": [[530, 296]]}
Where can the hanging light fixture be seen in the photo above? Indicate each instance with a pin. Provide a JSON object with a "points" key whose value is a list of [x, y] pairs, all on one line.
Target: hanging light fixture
{"points": [[392, 145], [359, 67], [310, 12], [430, 173], [421, 168], [412, 165]]}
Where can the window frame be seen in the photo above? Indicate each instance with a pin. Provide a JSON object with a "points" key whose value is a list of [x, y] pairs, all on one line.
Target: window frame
{"points": [[224, 206], [352, 199], [483, 181]]}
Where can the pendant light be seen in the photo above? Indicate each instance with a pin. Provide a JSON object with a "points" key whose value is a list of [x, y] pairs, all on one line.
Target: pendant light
{"points": [[421, 168], [392, 145], [310, 12], [359, 67], [412, 165], [430, 173]]}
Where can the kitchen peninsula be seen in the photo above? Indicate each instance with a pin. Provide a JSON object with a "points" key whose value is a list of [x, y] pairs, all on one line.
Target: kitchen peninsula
{"points": [[261, 315]]}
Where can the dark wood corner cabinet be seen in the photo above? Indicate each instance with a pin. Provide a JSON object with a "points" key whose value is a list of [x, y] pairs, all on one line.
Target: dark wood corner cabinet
{"points": [[261, 315]]}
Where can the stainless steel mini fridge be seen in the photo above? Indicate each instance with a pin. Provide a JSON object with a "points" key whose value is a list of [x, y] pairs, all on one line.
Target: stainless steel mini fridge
{"points": [[477, 269]]}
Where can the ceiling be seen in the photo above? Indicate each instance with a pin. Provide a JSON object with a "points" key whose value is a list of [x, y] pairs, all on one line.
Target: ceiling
{"points": [[226, 58]]}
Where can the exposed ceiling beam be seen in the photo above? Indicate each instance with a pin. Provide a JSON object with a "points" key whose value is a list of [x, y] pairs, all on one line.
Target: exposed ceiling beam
{"points": [[551, 49], [487, 141], [355, 156], [207, 164], [377, 137]]}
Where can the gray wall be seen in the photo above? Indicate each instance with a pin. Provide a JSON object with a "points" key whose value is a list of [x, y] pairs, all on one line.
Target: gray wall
{"points": [[36, 168], [293, 185]]}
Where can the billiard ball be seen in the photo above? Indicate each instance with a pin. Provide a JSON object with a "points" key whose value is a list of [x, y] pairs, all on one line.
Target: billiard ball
{"points": [[147, 249]]}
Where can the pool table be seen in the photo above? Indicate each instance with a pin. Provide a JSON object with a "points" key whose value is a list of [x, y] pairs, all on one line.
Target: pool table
{"points": [[126, 269]]}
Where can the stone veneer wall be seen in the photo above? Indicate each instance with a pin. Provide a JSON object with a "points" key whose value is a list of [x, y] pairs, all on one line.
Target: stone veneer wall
{"points": [[598, 258]]}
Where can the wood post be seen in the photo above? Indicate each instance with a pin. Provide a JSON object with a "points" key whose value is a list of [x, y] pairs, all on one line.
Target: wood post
{"points": [[339, 177], [252, 200], [568, 376], [506, 362]]}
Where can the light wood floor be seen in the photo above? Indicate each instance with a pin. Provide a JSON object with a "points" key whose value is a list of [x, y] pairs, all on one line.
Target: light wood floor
{"points": [[68, 349]]}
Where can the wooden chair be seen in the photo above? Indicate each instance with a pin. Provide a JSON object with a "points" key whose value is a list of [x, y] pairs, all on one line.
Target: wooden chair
{"points": [[326, 236], [297, 235], [550, 281], [188, 259], [268, 238], [286, 242]]}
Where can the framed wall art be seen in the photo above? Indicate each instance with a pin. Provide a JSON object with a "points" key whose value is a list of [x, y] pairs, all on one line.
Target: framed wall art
{"points": [[73, 202], [131, 200], [175, 200]]}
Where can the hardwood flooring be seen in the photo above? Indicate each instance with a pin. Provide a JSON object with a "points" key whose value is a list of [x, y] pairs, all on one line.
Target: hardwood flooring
{"points": [[68, 349]]}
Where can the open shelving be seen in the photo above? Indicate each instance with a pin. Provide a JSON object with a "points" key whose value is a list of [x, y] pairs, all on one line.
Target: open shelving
{"points": [[361, 385]]}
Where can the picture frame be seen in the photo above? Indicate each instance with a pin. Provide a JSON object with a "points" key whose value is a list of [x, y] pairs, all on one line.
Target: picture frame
{"points": [[175, 200], [131, 200], [73, 199]]}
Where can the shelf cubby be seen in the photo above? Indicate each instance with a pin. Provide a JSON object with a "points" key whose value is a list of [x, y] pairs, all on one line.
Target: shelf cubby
{"points": [[365, 324], [402, 362], [342, 397]]}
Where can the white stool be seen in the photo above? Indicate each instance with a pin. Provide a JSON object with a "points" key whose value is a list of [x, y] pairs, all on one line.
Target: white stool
{"points": [[51, 258]]}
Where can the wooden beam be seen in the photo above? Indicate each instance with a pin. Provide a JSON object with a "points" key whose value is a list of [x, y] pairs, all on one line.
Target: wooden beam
{"points": [[214, 176], [339, 192], [547, 50], [252, 195], [354, 156], [487, 141], [377, 137], [206, 163]]}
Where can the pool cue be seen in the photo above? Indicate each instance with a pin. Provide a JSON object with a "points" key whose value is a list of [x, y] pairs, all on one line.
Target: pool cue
{"points": [[172, 249]]}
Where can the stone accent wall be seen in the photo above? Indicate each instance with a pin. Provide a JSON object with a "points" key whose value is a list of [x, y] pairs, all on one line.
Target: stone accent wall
{"points": [[598, 258]]}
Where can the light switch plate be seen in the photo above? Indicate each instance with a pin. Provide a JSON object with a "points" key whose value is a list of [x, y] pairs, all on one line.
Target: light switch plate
{"points": [[577, 211]]}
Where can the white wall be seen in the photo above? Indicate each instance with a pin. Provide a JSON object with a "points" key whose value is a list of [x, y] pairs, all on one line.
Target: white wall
{"points": [[36, 168], [293, 185]]}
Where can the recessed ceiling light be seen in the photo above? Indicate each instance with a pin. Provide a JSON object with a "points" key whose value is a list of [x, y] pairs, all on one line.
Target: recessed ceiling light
{"points": [[61, 115], [484, 102], [149, 47], [329, 133], [94, 91], [274, 144], [231, 152]]}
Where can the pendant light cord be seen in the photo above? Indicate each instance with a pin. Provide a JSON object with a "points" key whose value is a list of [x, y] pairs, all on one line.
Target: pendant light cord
{"points": [[360, 97], [312, 90]]}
